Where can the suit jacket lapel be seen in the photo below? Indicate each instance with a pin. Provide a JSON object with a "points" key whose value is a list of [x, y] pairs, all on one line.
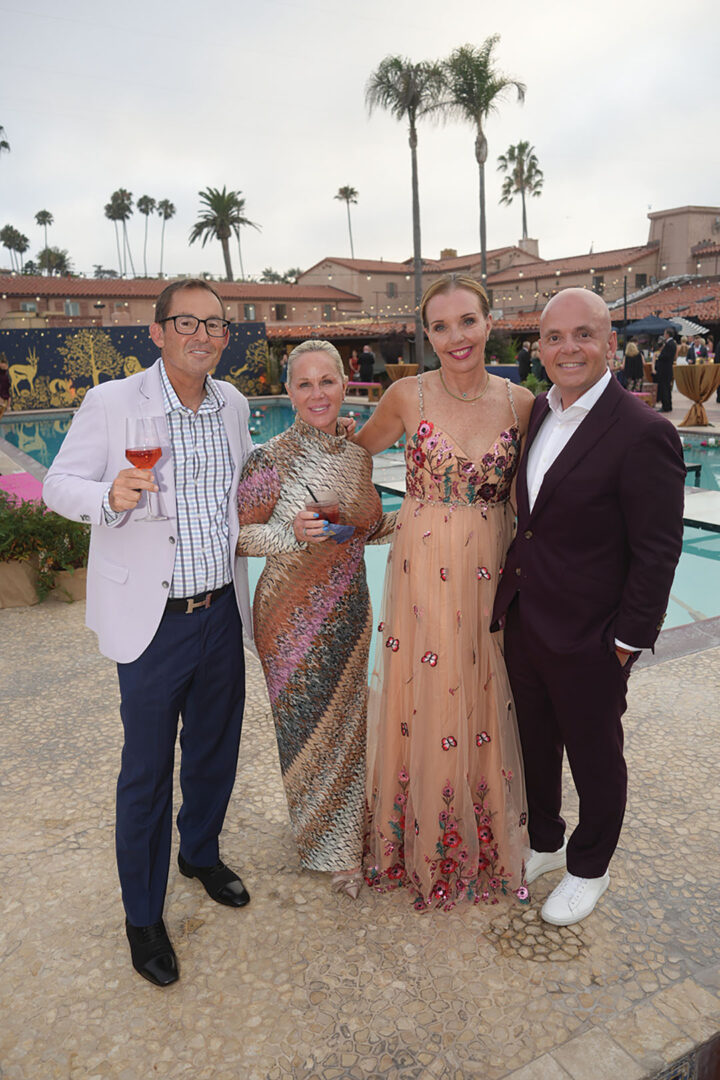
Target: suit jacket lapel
{"points": [[231, 420], [540, 410], [595, 426]]}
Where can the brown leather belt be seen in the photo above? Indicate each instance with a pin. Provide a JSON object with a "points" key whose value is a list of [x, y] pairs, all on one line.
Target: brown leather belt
{"points": [[188, 604]]}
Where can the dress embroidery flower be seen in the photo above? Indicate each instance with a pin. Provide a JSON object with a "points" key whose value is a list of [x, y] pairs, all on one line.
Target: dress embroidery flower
{"points": [[454, 876]]}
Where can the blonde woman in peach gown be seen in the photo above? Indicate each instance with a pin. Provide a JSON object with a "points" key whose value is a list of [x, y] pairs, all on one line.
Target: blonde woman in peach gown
{"points": [[445, 795]]}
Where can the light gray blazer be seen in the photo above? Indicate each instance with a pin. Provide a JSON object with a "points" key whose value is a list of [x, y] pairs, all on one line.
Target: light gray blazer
{"points": [[131, 564]]}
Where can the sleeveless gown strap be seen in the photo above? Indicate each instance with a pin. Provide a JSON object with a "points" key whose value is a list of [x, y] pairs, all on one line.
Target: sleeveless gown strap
{"points": [[420, 396], [508, 384]]}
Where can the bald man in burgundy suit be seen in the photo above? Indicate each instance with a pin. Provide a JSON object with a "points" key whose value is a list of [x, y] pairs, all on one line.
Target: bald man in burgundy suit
{"points": [[600, 494]]}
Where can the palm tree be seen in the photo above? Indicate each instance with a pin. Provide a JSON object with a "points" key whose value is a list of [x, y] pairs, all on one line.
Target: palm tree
{"points": [[146, 206], [55, 261], [348, 195], [112, 212], [8, 236], [524, 177], [121, 209], [124, 200], [43, 218], [475, 89], [166, 210], [21, 245], [4, 144], [408, 91], [223, 215]]}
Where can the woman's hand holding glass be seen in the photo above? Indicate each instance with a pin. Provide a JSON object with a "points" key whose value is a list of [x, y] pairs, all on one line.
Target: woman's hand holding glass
{"points": [[309, 528]]}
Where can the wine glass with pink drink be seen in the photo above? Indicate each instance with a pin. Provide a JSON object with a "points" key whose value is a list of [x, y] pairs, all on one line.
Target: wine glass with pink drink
{"points": [[143, 451]]}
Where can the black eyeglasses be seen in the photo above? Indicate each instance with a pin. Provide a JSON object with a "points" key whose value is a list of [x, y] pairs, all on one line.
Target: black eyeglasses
{"points": [[188, 324]]}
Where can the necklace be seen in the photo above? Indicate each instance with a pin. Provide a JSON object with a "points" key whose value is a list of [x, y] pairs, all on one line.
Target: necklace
{"points": [[464, 397]]}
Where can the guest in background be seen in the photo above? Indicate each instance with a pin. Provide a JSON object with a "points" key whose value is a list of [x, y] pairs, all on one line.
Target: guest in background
{"points": [[633, 367], [367, 364], [523, 361], [664, 370]]}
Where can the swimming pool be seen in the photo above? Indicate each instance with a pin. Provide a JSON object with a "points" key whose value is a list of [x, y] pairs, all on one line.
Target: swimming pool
{"points": [[696, 588]]}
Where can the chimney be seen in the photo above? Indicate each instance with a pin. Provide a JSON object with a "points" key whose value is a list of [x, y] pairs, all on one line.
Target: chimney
{"points": [[530, 246], [448, 253]]}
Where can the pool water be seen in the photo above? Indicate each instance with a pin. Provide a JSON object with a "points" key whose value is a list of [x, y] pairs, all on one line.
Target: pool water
{"points": [[693, 597], [704, 451]]}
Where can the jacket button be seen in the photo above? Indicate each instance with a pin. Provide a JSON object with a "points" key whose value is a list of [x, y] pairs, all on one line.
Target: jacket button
{"points": [[518, 571], [528, 534], [172, 539], [166, 584]]}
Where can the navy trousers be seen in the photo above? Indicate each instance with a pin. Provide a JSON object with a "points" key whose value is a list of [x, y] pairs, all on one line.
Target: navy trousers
{"points": [[193, 668], [572, 702]]}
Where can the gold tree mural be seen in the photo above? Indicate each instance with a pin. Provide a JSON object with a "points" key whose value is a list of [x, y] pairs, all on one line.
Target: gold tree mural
{"points": [[90, 353]]}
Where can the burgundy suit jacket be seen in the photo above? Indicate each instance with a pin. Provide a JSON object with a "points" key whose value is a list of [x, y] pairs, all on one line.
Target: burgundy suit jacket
{"points": [[594, 560]]}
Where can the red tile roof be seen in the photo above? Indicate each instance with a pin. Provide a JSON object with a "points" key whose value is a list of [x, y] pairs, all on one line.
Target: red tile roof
{"points": [[572, 264], [705, 249], [362, 328], [149, 288], [459, 261], [367, 266], [697, 300], [382, 266]]}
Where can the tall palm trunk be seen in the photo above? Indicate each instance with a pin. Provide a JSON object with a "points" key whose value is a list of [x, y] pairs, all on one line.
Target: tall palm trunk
{"points": [[127, 247], [117, 241], [417, 249], [352, 249], [162, 246], [226, 257], [524, 213], [147, 218], [242, 268], [481, 158]]}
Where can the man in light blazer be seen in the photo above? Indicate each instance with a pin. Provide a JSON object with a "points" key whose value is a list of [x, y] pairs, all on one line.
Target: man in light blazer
{"points": [[600, 494], [168, 600]]}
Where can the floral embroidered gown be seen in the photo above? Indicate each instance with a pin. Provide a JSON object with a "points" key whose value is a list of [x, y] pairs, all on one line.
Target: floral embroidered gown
{"points": [[447, 816], [312, 621]]}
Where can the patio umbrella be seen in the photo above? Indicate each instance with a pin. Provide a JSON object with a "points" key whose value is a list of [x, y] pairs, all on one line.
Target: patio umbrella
{"points": [[651, 324]]}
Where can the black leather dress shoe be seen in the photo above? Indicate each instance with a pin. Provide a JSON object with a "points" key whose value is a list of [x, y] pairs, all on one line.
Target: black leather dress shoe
{"points": [[220, 882], [152, 954]]}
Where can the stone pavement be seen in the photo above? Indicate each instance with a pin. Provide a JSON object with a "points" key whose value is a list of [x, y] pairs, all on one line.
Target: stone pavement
{"points": [[306, 985]]}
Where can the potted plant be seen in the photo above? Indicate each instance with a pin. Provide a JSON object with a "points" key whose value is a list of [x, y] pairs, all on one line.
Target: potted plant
{"points": [[41, 553]]}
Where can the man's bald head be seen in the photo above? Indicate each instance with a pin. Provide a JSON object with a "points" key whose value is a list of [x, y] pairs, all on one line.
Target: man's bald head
{"points": [[577, 341], [594, 303]]}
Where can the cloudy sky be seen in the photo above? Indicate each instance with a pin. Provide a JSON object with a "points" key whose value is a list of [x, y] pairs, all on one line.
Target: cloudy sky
{"points": [[267, 97]]}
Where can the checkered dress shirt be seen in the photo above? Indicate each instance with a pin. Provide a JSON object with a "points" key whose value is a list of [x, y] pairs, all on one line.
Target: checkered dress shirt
{"points": [[203, 475]]}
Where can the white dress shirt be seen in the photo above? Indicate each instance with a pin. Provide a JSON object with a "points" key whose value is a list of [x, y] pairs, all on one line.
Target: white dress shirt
{"points": [[555, 433]]}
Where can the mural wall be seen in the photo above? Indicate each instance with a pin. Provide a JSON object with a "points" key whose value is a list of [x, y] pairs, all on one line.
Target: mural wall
{"points": [[56, 368]]}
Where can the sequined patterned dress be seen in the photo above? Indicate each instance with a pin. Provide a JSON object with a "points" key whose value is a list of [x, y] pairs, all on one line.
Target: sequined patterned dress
{"points": [[312, 621], [447, 815]]}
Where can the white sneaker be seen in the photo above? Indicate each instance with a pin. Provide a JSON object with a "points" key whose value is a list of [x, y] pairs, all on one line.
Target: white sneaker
{"points": [[574, 899], [542, 862]]}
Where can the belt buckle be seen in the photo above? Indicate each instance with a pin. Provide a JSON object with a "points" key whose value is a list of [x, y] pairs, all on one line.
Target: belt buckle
{"points": [[192, 603]]}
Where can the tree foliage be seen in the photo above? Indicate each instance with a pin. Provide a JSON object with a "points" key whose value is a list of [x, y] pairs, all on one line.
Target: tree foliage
{"points": [[524, 176], [408, 92], [474, 90], [221, 216]]}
